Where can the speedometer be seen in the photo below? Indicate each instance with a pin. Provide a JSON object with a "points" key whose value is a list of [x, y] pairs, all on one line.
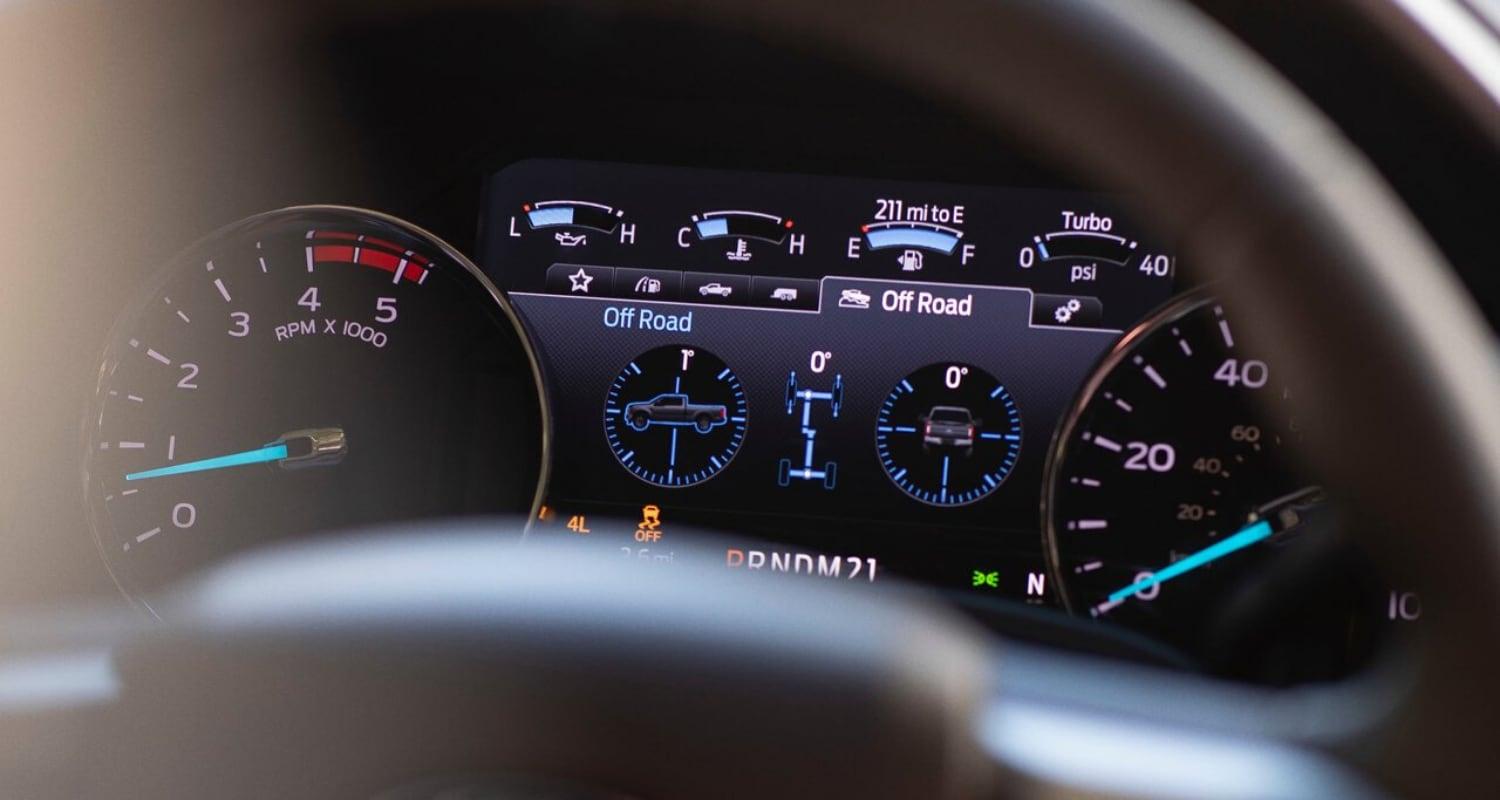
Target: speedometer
{"points": [[1171, 476], [304, 371]]}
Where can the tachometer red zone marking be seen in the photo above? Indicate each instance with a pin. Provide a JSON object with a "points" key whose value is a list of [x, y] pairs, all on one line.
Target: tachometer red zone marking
{"points": [[367, 251]]}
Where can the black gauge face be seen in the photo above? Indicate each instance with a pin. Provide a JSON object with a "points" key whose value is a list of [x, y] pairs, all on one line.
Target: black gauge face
{"points": [[1172, 477], [675, 416], [304, 371], [948, 434]]}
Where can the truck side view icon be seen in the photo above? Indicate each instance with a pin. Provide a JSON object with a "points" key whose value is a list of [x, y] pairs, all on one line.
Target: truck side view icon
{"points": [[674, 409]]}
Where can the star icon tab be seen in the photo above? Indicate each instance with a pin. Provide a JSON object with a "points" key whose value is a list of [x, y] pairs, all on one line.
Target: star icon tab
{"points": [[576, 279]]}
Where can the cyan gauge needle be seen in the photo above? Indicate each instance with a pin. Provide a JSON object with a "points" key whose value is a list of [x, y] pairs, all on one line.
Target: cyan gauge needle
{"points": [[1239, 540], [1287, 511], [294, 450]]}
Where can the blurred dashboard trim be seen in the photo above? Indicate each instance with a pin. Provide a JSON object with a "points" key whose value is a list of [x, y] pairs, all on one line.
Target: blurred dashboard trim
{"points": [[1458, 43]]}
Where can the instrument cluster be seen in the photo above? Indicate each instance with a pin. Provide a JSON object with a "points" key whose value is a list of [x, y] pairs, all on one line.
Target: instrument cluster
{"points": [[1001, 393]]}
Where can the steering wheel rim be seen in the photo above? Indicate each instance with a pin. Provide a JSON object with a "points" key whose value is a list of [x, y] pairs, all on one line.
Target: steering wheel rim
{"points": [[1333, 274], [1274, 203]]}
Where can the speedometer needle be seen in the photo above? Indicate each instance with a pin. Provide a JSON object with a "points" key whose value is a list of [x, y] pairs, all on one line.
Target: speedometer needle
{"points": [[305, 448], [1239, 540]]}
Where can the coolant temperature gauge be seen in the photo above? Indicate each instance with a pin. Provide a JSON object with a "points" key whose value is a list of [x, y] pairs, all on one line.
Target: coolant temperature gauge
{"points": [[740, 232]]}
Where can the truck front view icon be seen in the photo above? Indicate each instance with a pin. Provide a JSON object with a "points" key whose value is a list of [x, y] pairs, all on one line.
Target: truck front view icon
{"points": [[674, 409], [948, 426]]}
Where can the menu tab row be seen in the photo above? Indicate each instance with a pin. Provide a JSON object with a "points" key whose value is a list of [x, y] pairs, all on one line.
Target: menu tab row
{"points": [[709, 288]]}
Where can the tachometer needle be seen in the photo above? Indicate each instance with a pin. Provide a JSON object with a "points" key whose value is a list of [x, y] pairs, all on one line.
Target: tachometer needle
{"points": [[304, 448], [1239, 540], [260, 455]]}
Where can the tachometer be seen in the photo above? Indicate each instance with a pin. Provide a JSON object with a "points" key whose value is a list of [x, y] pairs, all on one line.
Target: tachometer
{"points": [[1171, 475], [302, 371]]}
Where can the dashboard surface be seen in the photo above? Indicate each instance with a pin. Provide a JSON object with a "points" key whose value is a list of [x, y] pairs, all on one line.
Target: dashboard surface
{"points": [[618, 370], [901, 340], [1005, 395]]}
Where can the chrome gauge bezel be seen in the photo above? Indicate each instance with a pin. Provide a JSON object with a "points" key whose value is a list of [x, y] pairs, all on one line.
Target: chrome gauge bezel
{"points": [[1170, 312]]}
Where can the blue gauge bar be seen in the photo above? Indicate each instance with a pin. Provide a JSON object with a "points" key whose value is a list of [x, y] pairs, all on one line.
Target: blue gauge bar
{"points": [[916, 235], [572, 214], [1084, 244], [741, 224]]}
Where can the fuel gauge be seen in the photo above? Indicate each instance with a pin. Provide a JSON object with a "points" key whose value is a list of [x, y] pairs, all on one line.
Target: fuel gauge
{"points": [[911, 233]]}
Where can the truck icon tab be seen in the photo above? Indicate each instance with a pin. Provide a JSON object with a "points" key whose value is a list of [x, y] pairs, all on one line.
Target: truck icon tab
{"points": [[674, 409]]}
